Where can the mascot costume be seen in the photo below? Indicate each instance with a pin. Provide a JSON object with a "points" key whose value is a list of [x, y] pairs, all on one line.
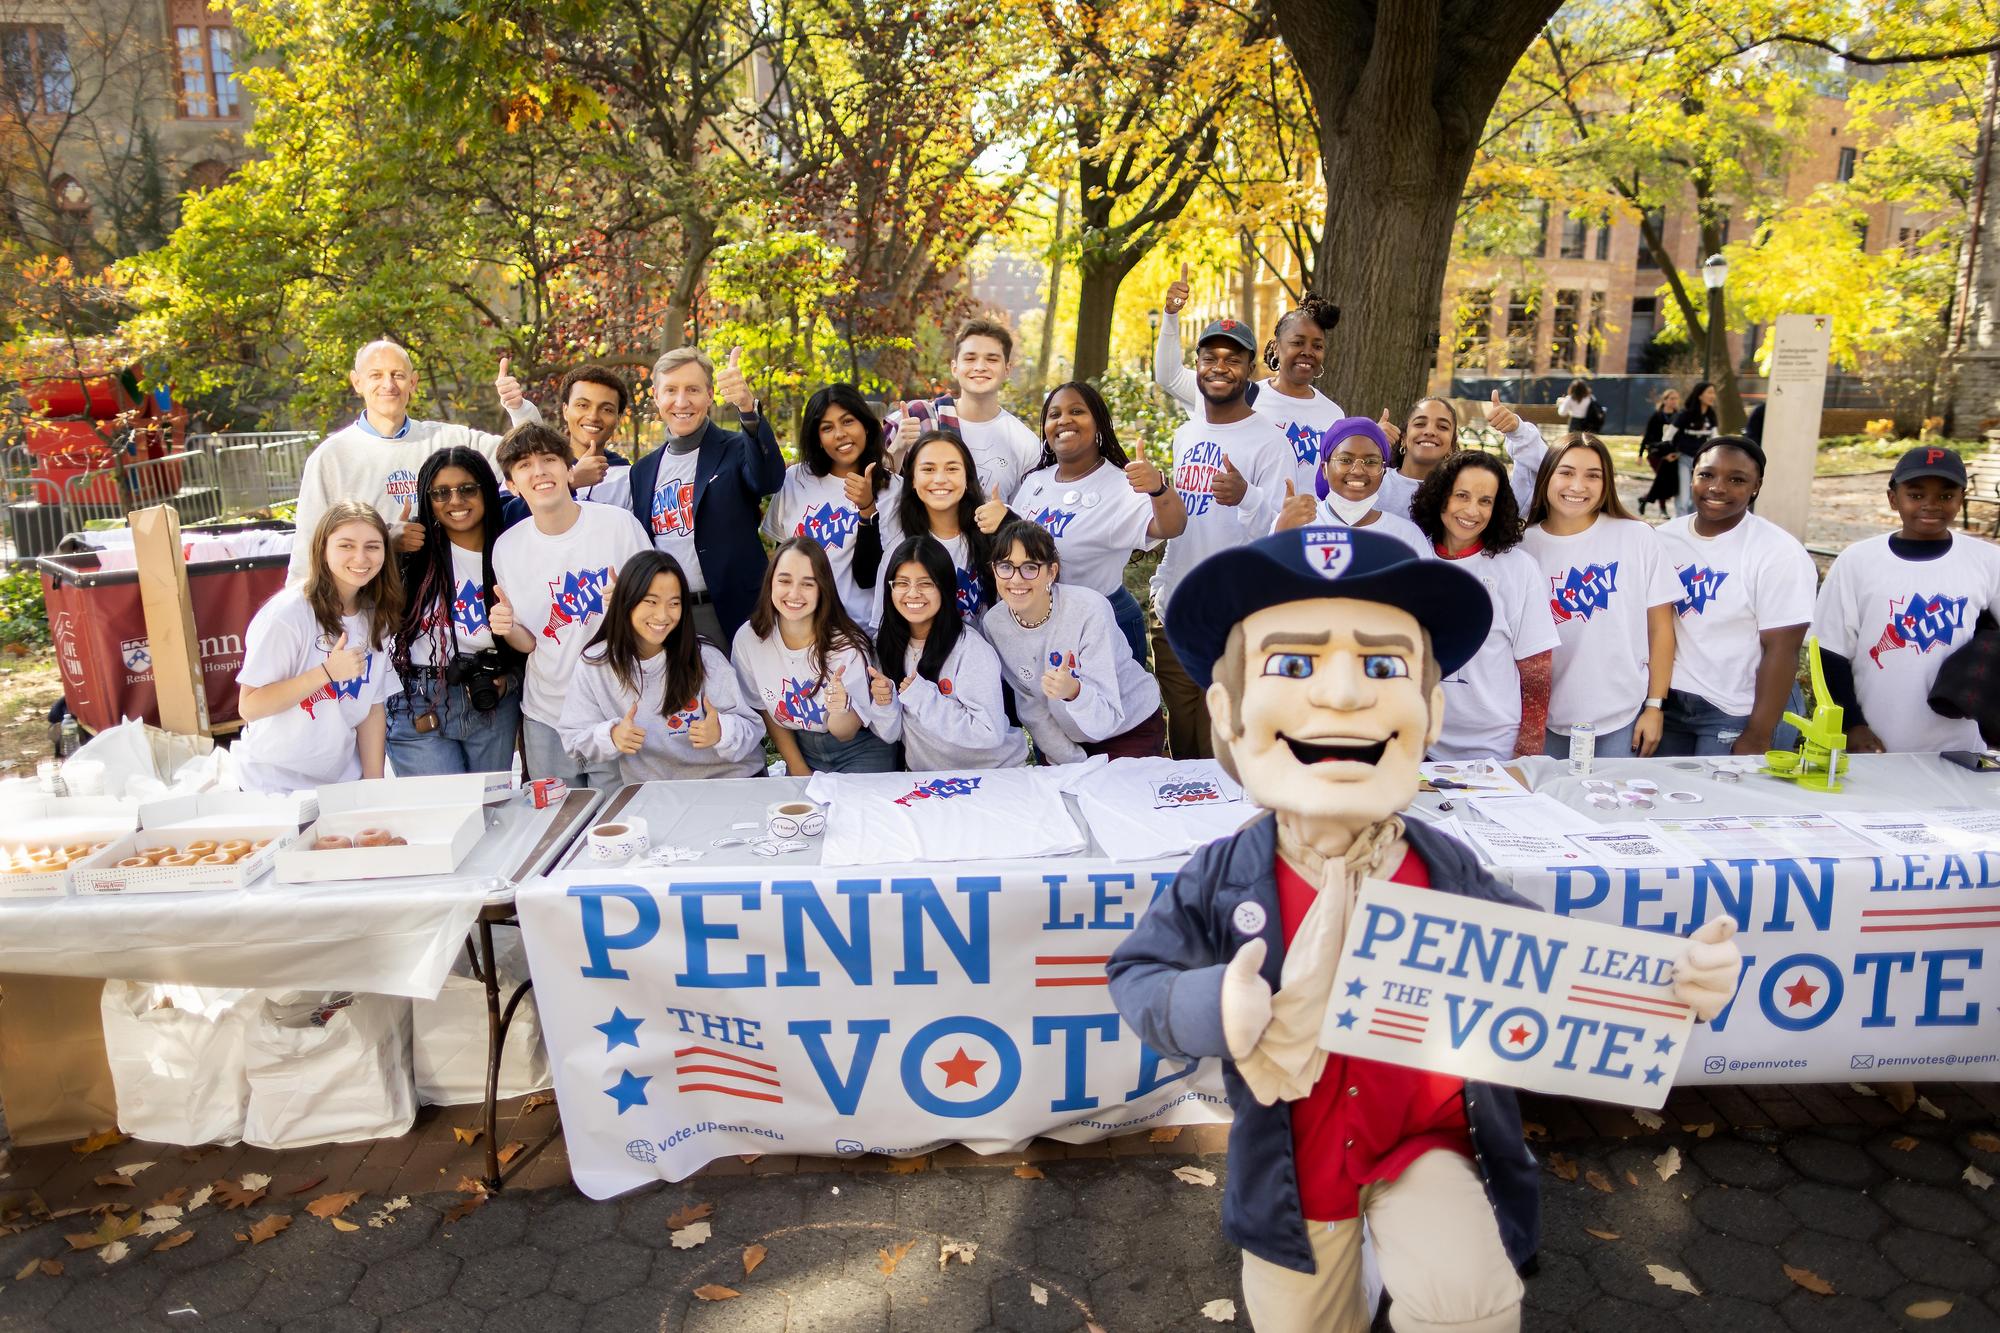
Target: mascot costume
{"points": [[1321, 650]]}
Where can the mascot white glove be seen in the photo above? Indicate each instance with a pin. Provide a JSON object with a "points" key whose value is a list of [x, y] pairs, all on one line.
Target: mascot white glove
{"points": [[1705, 976], [1246, 1000]]}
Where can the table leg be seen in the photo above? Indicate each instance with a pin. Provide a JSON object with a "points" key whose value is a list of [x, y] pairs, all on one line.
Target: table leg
{"points": [[495, 1035]]}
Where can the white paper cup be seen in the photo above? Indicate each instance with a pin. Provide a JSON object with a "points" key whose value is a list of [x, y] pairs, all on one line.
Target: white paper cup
{"points": [[794, 819], [618, 840]]}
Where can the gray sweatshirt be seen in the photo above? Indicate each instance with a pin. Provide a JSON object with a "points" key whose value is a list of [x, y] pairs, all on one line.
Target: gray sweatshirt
{"points": [[1082, 636], [961, 721], [596, 702]]}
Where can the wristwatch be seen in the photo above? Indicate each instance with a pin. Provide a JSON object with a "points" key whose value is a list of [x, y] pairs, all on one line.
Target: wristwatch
{"points": [[1164, 486], [1656, 703]]}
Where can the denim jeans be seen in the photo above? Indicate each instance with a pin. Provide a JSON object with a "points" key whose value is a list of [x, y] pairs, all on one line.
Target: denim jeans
{"points": [[1694, 726], [465, 739], [1610, 744], [1131, 618], [864, 752], [542, 749], [1684, 502]]}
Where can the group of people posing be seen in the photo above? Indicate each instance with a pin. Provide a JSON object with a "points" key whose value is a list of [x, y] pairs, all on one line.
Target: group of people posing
{"points": [[945, 587]]}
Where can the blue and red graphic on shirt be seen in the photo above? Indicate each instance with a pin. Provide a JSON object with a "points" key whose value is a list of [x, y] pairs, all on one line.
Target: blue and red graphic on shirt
{"points": [[1194, 476], [1701, 585], [1057, 521], [1305, 441], [673, 510], [468, 608], [335, 691], [1186, 791], [401, 485], [1923, 624], [684, 717], [799, 704], [575, 598], [1583, 592], [939, 789], [828, 524], [1061, 661]]}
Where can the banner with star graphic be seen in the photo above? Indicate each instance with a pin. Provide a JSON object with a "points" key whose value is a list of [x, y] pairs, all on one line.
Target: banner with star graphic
{"points": [[694, 1015], [1507, 995]]}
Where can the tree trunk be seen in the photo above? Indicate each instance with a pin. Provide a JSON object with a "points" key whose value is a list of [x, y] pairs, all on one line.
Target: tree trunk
{"points": [[698, 243], [1046, 357], [1097, 293]]}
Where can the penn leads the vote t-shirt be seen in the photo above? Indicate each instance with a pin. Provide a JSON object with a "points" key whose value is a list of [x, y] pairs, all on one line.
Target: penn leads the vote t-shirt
{"points": [[313, 741], [1734, 586], [1256, 449], [1601, 583], [559, 586], [1097, 521]]}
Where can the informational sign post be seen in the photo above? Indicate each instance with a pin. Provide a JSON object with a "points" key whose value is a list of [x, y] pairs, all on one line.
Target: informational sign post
{"points": [[1791, 418], [1508, 995]]}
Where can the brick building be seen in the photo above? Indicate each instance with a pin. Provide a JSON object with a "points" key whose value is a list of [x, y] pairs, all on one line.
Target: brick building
{"points": [[1975, 402]]}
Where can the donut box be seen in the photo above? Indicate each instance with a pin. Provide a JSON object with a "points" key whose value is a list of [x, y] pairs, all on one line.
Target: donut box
{"points": [[230, 838], [393, 828], [41, 837]]}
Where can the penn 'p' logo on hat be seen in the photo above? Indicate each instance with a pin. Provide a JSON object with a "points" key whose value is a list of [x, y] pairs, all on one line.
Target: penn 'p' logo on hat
{"points": [[1329, 551], [1931, 456]]}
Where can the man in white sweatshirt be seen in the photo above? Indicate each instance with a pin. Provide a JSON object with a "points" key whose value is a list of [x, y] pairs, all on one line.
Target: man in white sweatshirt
{"points": [[375, 459]]}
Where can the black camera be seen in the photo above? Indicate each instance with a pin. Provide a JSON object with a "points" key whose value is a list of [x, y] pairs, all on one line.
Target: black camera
{"points": [[483, 674]]}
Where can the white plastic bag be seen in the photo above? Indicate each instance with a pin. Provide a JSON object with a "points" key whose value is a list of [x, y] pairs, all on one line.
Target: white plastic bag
{"points": [[328, 1069], [449, 1049], [177, 1061]]}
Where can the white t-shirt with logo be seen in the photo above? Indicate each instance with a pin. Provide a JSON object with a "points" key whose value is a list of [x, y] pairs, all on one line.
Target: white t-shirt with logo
{"points": [[967, 595], [1003, 451], [1302, 421], [782, 681], [961, 815], [1600, 583], [1897, 620], [818, 507], [311, 743], [615, 489], [672, 523], [1255, 448], [1383, 524], [467, 606], [559, 586], [1482, 699], [1097, 521], [1143, 808], [1752, 578]]}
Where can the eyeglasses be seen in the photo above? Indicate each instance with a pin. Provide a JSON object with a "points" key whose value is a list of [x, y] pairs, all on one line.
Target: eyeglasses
{"points": [[1029, 569], [912, 585], [441, 495], [1343, 463]]}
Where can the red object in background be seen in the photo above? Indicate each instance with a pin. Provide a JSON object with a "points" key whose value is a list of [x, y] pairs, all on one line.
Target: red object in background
{"points": [[100, 396], [66, 439], [99, 628]]}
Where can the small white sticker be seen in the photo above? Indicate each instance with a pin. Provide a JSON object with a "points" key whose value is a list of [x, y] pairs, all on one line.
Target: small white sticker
{"points": [[1249, 918]]}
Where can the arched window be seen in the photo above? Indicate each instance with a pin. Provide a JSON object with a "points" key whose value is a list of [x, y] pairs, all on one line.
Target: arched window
{"points": [[71, 199]]}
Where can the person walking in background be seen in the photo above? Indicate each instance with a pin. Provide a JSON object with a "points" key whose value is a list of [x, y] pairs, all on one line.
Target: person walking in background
{"points": [[1581, 409], [1694, 427], [1657, 449]]}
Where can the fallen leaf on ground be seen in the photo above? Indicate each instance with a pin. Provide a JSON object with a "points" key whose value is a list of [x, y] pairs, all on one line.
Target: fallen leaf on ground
{"points": [[28, 1270], [465, 1208], [1984, 1141], [715, 1291], [112, 1180], [160, 1226], [1222, 1312], [691, 1235], [1167, 1135], [160, 1210], [312, 1184], [1667, 1277], [1902, 1096], [1668, 1163], [467, 1185], [752, 1256], [1810, 1280], [386, 1214], [1038, 1293], [468, 1135], [342, 1224], [1030, 1173], [1976, 1178], [109, 1138], [1532, 1131], [270, 1226], [535, 1102], [172, 1196], [1929, 1108], [174, 1241], [131, 1169], [886, 1260], [112, 1229], [1600, 1182], [252, 1181], [233, 1196], [1864, 1090], [199, 1199], [509, 1151], [1928, 1309], [1602, 1235], [50, 1267], [694, 1212], [333, 1205], [908, 1166], [115, 1251], [1563, 1165], [1701, 1131], [1904, 1144], [1195, 1175], [1647, 1119], [1632, 1179], [962, 1250]]}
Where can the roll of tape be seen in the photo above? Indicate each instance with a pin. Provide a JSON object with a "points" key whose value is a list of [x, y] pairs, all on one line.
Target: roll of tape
{"points": [[618, 840], [794, 819]]}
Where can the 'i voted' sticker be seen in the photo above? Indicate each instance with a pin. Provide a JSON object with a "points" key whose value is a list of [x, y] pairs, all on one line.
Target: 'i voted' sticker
{"points": [[1249, 918]]}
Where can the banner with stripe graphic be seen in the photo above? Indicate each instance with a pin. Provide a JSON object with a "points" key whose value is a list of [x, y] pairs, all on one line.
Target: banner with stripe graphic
{"points": [[691, 1016]]}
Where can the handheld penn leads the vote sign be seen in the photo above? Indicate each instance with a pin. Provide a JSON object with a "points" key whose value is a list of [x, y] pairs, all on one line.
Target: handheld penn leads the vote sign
{"points": [[1507, 995]]}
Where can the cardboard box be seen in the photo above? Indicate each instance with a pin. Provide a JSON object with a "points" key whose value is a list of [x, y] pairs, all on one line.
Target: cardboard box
{"points": [[218, 816], [54, 1077], [56, 821], [169, 612], [439, 819]]}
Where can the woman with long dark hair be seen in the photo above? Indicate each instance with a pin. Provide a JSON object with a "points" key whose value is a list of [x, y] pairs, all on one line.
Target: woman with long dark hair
{"points": [[653, 695], [1694, 427], [940, 497], [1657, 448], [460, 708], [944, 676], [834, 493]]}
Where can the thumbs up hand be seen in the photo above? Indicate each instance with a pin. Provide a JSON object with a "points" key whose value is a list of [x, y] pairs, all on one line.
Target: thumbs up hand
{"points": [[408, 536], [1297, 511], [588, 471], [706, 731], [1246, 999], [1499, 416], [509, 388], [1141, 476], [880, 688], [500, 614], [990, 516], [1390, 430], [1177, 293], [860, 487], [344, 663], [908, 427], [836, 695], [732, 388], [626, 733], [1229, 485]]}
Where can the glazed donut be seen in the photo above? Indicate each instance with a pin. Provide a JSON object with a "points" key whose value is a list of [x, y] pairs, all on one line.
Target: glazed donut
{"points": [[328, 842], [78, 850], [373, 837], [133, 863], [179, 859], [234, 846], [260, 844], [396, 841], [216, 859], [200, 847], [155, 853]]}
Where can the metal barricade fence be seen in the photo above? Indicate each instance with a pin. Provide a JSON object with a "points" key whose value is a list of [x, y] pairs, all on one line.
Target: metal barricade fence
{"points": [[185, 480], [256, 469]]}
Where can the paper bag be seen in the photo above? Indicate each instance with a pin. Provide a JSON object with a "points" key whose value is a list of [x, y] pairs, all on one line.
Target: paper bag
{"points": [[177, 1061], [54, 1080]]}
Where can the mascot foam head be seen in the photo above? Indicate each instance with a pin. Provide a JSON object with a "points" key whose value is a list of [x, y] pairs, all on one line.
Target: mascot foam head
{"points": [[1322, 649]]}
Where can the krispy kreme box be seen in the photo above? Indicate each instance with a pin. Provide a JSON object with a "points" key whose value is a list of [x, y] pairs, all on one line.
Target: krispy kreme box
{"points": [[41, 837], [389, 828], [186, 844]]}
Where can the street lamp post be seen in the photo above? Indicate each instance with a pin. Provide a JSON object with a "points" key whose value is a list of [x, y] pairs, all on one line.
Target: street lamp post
{"points": [[1152, 323], [1714, 273]]}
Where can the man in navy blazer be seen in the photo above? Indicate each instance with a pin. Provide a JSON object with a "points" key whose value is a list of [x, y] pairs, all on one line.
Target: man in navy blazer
{"points": [[700, 495]]}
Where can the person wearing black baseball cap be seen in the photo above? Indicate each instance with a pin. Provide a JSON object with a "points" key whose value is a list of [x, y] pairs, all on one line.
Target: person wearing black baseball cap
{"points": [[1230, 465], [1894, 607], [1320, 651]]}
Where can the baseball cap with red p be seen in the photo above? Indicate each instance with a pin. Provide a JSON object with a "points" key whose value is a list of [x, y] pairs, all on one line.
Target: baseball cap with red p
{"points": [[1929, 460]]}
